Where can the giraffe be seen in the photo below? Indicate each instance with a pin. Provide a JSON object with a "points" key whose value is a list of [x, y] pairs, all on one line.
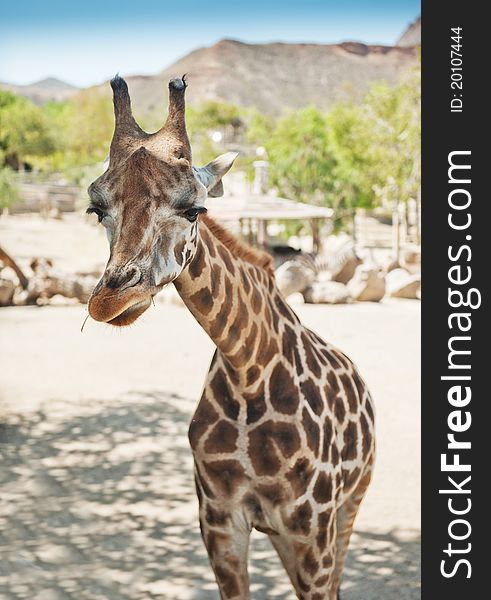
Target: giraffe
{"points": [[283, 435]]}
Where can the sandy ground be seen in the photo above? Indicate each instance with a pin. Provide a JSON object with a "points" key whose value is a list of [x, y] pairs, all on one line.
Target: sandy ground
{"points": [[97, 498]]}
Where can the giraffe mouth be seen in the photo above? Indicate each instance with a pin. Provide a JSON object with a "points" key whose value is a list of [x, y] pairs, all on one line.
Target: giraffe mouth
{"points": [[130, 314]]}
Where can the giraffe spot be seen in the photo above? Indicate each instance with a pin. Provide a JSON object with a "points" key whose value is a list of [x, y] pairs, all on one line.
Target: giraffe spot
{"points": [[256, 404], [299, 476], [256, 300], [210, 245], [266, 439], [289, 341], [215, 516], [203, 300], [215, 277], [245, 351], [316, 341], [198, 263], [323, 488], [273, 493], [365, 435], [220, 320], [309, 563], [369, 409], [334, 455], [311, 393], [312, 431], [224, 396], [350, 477], [333, 361], [246, 282], [233, 373], [300, 519], [283, 309], [342, 358], [222, 438], [227, 258], [228, 581], [282, 391], [239, 324], [275, 316], [339, 409], [301, 584], [203, 484], [225, 475], [323, 523], [215, 540], [268, 349], [327, 442], [350, 441], [204, 416], [312, 361], [351, 394], [360, 386], [317, 596], [179, 252], [252, 374], [333, 382], [327, 561]]}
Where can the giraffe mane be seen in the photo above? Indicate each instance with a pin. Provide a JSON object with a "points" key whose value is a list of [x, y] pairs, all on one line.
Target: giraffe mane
{"points": [[238, 248]]}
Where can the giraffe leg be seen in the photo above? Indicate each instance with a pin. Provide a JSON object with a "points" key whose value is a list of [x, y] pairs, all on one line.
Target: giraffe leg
{"points": [[345, 518], [226, 537], [310, 571]]}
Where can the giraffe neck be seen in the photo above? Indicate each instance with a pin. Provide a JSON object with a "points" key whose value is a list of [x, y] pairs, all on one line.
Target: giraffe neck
{"points": [[235, 301]]}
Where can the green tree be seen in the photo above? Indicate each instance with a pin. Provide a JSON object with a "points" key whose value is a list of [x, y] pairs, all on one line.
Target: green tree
{"points": [[25, 133], [300, 155]]}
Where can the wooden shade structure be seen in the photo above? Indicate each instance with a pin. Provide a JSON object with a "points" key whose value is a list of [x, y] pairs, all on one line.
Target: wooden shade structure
{"points": [[254, 211]]}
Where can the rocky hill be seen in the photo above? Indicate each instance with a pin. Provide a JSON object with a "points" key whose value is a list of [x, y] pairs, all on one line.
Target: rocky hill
{"points": [[412, 35], [43, 91], [272, 77]]}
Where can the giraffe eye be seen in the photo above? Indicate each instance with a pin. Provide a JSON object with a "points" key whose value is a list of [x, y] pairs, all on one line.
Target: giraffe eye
{"points": [[191, 214], [97, 211]]}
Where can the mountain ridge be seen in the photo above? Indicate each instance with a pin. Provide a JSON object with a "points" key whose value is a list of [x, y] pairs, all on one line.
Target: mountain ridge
{"points": [[271, 77]]}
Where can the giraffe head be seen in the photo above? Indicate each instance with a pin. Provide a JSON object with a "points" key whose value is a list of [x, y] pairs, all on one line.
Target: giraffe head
{"points": [[149, 200]]}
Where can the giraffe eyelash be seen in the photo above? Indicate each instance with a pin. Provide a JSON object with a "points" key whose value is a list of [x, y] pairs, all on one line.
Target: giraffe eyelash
{"points": [[97, 211]]}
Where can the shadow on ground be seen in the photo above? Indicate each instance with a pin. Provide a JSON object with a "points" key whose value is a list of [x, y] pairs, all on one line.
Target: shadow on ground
{"points": [[97, 502]]}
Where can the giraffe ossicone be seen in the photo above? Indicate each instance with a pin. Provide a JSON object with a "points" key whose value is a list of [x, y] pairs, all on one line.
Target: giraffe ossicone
{"points": [[283, 435]]}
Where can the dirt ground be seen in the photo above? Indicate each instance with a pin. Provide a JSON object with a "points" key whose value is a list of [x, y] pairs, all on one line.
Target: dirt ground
{"points": [[96, 488]]}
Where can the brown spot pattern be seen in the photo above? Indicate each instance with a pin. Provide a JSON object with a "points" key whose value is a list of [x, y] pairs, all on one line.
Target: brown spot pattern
{"points": [[264, 441], [225, 475], [351, 394], [222, 438], [204, 416], [282, 391], [300, 475], [323, 488], [223, 395], [350, 440], [312, 395], [312, 432], [300, 519], [256, 404]]}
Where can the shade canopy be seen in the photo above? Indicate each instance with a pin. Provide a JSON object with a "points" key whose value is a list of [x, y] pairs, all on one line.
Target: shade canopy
{"points": [[264, 208]]}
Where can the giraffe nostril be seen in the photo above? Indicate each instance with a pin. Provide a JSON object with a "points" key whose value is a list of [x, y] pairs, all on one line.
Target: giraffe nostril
{"points": [[124, 277]]}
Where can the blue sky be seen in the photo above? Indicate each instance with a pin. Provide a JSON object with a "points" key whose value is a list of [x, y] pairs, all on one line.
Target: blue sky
{"points": [[87, 42]]}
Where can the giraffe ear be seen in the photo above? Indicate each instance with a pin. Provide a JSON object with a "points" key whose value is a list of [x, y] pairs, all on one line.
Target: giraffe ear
{"points": [[211, 175]]}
